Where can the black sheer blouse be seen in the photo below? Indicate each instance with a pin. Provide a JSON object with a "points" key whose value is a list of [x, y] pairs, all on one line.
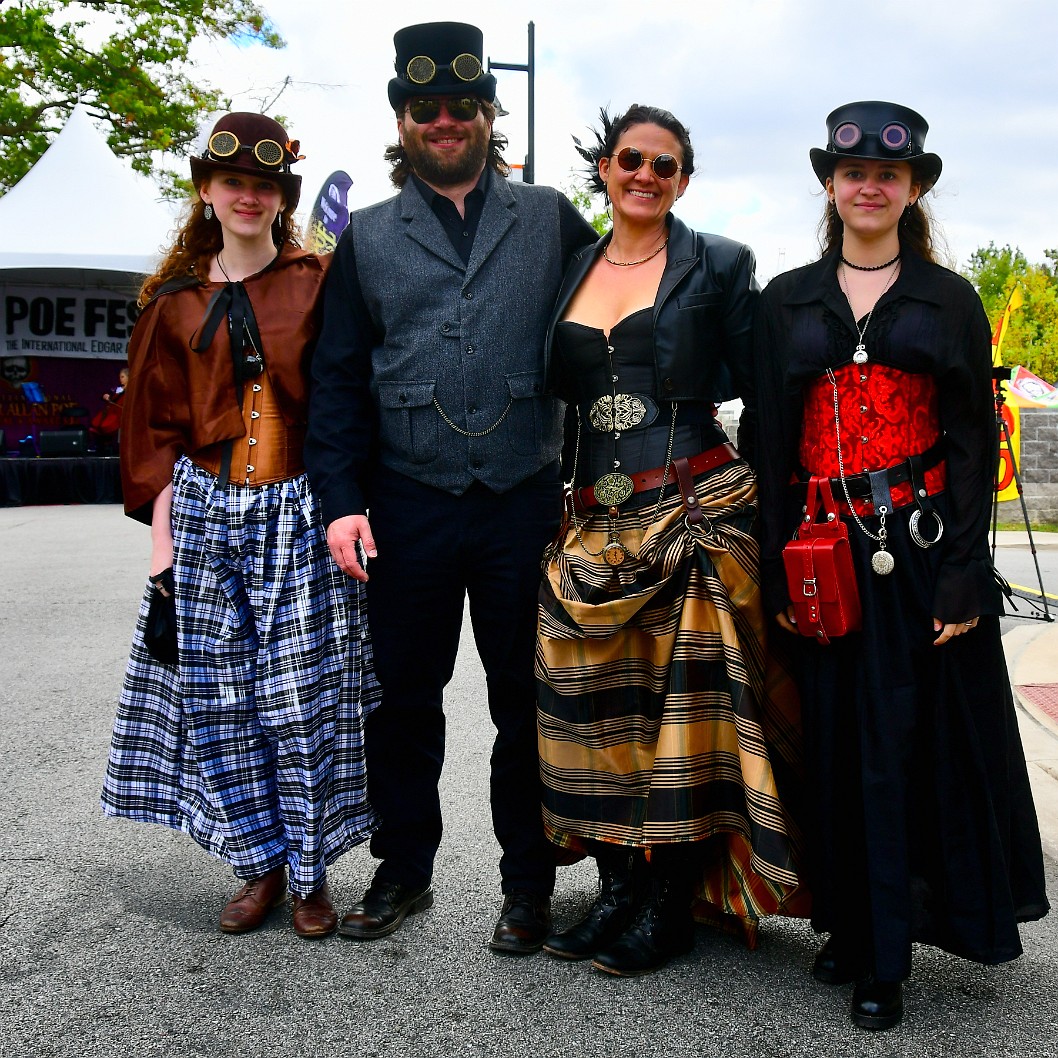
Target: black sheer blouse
{"points": [[930, 321]]}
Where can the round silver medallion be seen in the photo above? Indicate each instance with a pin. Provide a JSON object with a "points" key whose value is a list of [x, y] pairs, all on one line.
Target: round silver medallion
{"points": [[860, 356], [882, 563]]}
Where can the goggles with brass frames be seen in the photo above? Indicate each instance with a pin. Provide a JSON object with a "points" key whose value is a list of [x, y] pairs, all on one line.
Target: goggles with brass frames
{"points": [[224, 146], [422, 69]]}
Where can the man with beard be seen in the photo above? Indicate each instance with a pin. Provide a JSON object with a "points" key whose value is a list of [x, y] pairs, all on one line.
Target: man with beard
{"points": [[430, 407]]}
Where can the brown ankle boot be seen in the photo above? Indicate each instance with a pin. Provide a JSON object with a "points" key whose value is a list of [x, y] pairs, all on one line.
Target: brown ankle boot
{"points": [[251, 905], [314, 915]]}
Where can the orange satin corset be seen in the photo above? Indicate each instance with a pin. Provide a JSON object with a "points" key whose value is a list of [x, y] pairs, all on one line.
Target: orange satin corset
{"points": [[886, 416], [269, 450]]}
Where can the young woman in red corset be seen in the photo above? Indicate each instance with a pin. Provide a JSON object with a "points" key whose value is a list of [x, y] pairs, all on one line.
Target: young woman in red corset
{"points": [[874, 371]]}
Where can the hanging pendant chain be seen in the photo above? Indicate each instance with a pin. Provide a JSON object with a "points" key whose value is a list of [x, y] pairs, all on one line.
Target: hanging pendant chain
{"points": [[661, 490], [883, 534], [860, 354]]}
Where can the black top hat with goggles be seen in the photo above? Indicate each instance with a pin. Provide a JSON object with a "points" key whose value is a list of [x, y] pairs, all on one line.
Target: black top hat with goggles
{"points": [[251, 143], [882, 131], [439, 59]]}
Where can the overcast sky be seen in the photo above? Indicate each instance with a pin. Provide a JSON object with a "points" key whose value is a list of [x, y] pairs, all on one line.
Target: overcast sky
{"points": [[752, 79]]}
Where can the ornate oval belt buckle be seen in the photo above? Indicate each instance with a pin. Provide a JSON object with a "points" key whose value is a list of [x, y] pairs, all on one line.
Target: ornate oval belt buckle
{"points": [[622, 411], [611, 490]]}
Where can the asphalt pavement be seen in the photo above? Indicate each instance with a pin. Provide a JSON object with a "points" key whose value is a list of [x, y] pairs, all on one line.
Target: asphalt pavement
{"points": [[108, 943]]}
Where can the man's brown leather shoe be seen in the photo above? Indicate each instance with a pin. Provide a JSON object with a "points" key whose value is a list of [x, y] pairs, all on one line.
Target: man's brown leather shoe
{"points": [[314, 915], [524, 923], [384, 907], [251, 905]]}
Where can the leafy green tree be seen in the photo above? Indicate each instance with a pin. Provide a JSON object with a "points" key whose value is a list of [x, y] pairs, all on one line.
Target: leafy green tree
{"points": [[1032, 331], [587, 205], [126, 61]]}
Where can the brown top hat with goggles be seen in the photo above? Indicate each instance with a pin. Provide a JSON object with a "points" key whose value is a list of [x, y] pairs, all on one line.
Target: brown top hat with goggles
{"points": [[254, 144], [439, 59], [883, 131]]}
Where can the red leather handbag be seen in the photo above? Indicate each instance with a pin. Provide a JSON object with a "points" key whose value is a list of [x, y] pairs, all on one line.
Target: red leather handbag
{"points": [[819, 570]]}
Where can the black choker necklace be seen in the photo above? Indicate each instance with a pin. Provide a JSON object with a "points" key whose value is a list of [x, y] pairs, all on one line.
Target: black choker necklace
{"points": [[869, 268]]}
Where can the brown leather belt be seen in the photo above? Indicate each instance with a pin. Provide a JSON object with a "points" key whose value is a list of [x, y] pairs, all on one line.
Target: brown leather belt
{"points": [[584, 498]]}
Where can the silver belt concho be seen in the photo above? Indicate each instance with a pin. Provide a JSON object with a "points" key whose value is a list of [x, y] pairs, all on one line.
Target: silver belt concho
{"points": [[622, 411]]}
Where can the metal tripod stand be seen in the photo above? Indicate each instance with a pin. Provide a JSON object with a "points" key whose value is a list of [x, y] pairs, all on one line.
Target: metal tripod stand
{"points": [[1040, 608]]}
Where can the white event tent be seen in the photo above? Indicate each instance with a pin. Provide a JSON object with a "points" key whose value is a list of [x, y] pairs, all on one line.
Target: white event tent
{"points": [[80, 215]]}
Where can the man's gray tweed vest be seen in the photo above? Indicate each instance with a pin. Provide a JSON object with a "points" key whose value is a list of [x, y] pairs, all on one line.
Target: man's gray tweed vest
{"points": [[462, 342]]}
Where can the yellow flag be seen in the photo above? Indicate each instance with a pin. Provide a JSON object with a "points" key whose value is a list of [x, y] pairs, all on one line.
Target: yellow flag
{"points": [[1014, 301]]}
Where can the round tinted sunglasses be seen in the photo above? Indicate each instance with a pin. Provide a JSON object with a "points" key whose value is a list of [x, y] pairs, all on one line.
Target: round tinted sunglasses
{"points": [[631, 159], [423, 111], [422, 69], [895, 136], [225, 145]]}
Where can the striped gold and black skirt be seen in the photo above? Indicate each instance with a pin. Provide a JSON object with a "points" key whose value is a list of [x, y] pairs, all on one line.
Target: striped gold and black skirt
{"points": [[662, 717]]}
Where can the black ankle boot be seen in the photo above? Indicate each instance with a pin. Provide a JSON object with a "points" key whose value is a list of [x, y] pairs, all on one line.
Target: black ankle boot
{"points": [[620, 871], [877, 1004], [661, 929], [837, 963]]}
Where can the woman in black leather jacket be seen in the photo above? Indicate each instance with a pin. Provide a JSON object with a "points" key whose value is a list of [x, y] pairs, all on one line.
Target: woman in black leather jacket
{"points": [[661, 732]]}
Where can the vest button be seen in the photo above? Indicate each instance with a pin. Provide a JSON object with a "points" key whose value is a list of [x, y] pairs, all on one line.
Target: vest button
{"points": [[403, 399], [445, 328], [668, 385], [468, 294], [470, 350], [472, 410]]}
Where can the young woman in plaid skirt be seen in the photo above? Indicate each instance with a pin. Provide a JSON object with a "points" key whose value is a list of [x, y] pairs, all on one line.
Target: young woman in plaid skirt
{"points": [[245, 729]]}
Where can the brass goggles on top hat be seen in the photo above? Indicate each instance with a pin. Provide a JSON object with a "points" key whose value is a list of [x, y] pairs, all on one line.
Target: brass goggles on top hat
{"points": [[422, 69], [225, 145], [461, 108], [631, 160], [895, 137]]}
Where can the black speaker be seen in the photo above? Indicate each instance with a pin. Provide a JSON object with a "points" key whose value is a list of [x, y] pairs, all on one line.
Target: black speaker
{"points": [[69, 442]]}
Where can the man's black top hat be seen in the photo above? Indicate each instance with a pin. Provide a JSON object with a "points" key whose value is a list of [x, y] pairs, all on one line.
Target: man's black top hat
{"points": [[439, 58], [884, 131]]}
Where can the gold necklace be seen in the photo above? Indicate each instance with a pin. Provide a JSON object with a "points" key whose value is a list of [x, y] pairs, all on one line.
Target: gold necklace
{"points": [[630, 264]]}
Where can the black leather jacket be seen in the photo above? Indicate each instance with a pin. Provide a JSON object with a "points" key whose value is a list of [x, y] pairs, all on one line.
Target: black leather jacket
{"points": [[703, 321]]}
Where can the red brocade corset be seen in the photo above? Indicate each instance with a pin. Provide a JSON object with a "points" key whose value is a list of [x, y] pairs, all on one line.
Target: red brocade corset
{"points": [[886, 416]]}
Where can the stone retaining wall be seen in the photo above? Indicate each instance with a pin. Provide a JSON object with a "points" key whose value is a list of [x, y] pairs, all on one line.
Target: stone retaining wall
{"points": [[1038, 467]]}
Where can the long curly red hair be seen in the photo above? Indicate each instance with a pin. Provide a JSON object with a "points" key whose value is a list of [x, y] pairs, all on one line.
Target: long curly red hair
{"points": [[198, 241]]}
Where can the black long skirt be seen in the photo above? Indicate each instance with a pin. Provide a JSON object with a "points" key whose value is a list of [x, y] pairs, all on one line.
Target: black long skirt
{"points": [[923, 826]]}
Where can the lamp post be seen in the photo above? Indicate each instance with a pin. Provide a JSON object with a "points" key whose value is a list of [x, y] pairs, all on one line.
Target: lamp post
{"points": [[529, 173]]}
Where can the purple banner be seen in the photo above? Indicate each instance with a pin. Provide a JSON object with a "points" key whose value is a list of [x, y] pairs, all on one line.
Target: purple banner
{"points": [[330, 213]]}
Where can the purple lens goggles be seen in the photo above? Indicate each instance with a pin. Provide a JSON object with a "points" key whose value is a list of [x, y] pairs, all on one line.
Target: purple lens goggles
{"points": [[895, 137]]}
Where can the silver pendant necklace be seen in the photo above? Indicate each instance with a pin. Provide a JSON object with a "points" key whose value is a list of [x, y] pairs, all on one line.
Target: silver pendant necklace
{"points": [[859, 355]]}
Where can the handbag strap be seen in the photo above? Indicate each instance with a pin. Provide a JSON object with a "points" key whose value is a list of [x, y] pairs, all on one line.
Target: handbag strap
{"points": [[820, 497], [829, 506]]}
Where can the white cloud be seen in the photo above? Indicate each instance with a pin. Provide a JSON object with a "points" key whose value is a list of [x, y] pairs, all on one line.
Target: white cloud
{"points": [[754, 81]]}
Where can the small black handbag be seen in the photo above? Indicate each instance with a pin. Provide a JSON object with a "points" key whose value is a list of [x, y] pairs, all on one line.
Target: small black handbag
{"points": [[159, 637]]}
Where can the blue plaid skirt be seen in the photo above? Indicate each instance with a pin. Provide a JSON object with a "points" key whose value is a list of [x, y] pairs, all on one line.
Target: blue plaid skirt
{"points": [[253, 743]]}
